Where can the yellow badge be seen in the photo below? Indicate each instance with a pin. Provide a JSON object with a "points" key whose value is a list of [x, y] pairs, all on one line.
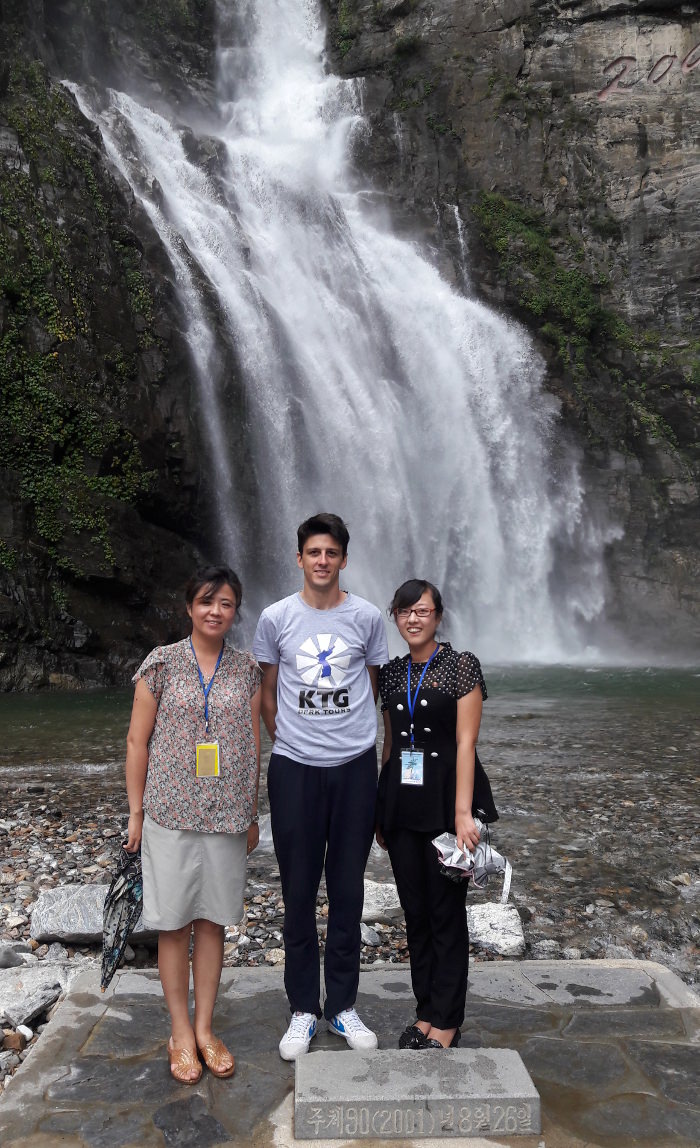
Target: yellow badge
{"points": [[207, 759]]}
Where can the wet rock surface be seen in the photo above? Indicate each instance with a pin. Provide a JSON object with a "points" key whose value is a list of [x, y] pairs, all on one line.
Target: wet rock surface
{"points": [[100, 1079]]}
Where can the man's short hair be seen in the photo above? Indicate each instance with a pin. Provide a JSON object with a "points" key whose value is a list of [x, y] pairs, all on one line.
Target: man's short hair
{"points": [[324, 524]]}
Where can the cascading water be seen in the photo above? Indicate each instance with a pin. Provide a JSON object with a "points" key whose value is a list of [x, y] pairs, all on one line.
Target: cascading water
{"points": [[372, 387]]}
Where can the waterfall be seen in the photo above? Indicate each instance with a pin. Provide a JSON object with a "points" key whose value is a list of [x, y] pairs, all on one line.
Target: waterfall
{"points": [[370, 386]]}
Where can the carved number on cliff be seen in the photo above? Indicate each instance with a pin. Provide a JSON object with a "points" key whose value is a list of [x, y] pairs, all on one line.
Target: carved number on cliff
{"points": [[658, 70]]}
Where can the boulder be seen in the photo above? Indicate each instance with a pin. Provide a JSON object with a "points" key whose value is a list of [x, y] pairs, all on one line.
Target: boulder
{"points": [[9, 957], [546, 949], [73, 913], [381, 903], [8, 1060], [14, 1041], [369, 935], [496, 928], [265, 841], [26, 993]]}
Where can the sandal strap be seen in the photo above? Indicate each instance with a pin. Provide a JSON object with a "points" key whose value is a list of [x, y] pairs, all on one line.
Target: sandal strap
{"points": [[182, 1061], [216, 1055]]}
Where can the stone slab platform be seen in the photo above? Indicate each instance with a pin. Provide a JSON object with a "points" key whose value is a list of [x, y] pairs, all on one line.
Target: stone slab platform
{"points": [[393, 1095], [612, 1047]]}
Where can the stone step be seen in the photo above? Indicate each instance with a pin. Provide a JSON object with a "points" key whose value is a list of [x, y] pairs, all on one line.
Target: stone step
{"points": [[389, 1094]]}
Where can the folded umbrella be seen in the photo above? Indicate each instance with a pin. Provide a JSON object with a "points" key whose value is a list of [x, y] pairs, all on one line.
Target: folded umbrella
{"points": [[122, 910], [476, 865]]}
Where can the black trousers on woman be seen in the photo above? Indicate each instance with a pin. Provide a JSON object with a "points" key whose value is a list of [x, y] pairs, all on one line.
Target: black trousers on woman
{"points": [[436, 927]]}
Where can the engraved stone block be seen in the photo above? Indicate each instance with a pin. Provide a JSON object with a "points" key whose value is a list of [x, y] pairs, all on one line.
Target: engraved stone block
{"points": [[391, 1094]]}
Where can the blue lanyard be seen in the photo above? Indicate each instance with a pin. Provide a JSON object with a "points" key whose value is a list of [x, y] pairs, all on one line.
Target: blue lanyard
{"points": [[412, 700], [206, 689]]}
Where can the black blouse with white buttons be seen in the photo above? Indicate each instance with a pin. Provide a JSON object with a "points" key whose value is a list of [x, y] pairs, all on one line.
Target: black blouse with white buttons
{"points": [[430, 806], [455, 674]]}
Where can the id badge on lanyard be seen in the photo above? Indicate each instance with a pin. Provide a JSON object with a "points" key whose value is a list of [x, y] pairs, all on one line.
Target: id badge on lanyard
{"points": [[411, 766], [412, 759], [207, 760]]}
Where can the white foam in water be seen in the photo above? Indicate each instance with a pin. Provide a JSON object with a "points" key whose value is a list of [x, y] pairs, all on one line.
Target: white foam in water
{"points": [[372, 388]]}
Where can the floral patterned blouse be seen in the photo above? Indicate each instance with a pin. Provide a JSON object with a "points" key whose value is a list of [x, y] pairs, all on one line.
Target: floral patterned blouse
{"points": [[174, 796]]}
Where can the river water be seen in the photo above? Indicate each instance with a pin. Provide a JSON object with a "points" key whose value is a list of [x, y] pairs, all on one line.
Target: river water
{"points": [[594, 771]]}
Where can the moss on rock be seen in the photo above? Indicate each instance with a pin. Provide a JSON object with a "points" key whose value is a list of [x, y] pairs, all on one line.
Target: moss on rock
{"points": [[543, 272], [61, 429]]}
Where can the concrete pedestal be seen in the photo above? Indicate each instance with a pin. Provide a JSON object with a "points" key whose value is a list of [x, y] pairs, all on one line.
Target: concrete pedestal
{"points": [[391, 1094]]}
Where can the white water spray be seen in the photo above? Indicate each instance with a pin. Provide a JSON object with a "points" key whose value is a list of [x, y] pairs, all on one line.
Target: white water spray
{"points": [[372, 388]]}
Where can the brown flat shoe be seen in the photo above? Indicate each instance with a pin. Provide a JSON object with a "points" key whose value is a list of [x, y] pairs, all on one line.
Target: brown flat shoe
{"points": [[182, 1061], [217, 1058]]}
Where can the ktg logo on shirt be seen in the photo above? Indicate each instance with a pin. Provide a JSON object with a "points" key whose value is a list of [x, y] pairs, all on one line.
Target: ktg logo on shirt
{"points": [[323, 665]]}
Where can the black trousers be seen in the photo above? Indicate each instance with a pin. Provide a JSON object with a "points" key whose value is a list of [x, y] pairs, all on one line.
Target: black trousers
{"points": [[436, 928], [322, 816]]}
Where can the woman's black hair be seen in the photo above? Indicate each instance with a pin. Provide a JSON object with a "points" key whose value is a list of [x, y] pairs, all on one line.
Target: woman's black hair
{"points": [[215, 577], [324, 524], [409, 592]]}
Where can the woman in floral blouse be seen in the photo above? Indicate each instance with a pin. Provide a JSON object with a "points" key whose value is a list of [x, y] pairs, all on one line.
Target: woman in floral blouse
{"points": [[192, 771]]}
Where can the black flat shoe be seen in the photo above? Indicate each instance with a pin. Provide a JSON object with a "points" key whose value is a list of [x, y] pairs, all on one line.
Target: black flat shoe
{"points": [[430, 1042], [412, 1037]]}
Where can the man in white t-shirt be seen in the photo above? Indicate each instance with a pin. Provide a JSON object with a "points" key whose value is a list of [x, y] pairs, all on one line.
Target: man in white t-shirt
{"points": [[320, 652]]}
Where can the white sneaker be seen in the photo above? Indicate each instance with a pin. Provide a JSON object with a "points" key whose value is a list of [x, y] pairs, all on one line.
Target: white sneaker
{"points": [[298, 1037], [348, 1024]]}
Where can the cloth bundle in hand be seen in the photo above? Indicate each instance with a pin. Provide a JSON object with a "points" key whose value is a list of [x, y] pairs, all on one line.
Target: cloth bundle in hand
{"points": [[477, 865]]}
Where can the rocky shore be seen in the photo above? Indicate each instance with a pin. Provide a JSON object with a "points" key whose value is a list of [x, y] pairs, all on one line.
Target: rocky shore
{"points": [[55, 833]]}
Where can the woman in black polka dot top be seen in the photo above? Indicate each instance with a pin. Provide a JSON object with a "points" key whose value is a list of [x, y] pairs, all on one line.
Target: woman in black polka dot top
{"points": [[431, 781]]}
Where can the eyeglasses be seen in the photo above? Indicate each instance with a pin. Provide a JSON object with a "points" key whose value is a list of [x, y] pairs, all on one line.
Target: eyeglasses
{"points": [[419, 611]]}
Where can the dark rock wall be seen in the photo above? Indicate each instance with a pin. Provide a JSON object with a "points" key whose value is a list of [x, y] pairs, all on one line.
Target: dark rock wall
{"points": [[567, 134], [103, 505]]}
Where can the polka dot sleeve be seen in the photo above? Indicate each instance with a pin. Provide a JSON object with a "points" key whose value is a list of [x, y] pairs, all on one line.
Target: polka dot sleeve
{"points": [[468, 675], [456, 674], [383, 685]]}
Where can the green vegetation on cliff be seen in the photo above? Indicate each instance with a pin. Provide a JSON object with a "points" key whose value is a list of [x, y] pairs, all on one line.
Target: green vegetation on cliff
{"points": [[62, 433], [543, 272]]}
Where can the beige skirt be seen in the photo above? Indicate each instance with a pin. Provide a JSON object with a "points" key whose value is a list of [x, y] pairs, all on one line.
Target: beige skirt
{"points": [[188, 876]]}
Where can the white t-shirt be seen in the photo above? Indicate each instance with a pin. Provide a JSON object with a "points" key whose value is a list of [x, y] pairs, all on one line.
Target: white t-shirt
{"points": [[326, 713]]}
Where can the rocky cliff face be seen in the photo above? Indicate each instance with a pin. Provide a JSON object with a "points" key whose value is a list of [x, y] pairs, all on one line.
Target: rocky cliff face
{"points": [[559, 143], [549, 153], [102, 503]]}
